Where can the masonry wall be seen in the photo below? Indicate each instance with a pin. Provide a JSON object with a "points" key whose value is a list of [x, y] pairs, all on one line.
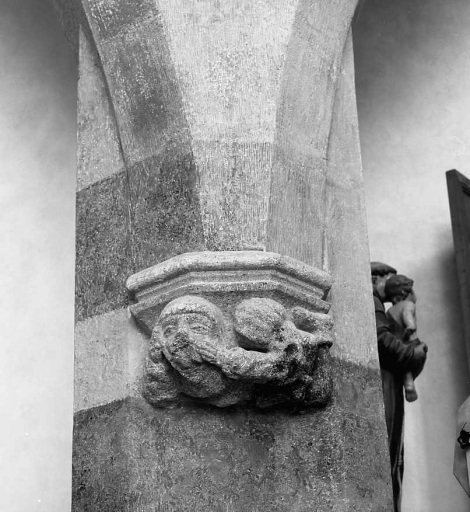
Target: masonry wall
{"points": [[247, 172], [413, 83]]}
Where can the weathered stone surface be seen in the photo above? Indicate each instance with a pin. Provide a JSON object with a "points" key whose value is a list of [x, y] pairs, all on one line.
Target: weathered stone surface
{"points": [[110, 354], [240, 345], [316, 282], [258, 356], [103, 257], [248, 91], [230, 63], [225, 112], [140, 75], [99, 153], [346, 246], [240, 173], [226, 277], [164, 206], [129, 456], [129, 221], [303, 124]]}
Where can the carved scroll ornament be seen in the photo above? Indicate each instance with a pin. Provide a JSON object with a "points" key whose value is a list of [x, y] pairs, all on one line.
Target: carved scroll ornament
{"points": [[265, 344]]}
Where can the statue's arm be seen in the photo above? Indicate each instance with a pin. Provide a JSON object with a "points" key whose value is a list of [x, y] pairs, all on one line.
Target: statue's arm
{"points": [[256, 366], [250, 365], [313, 322], [394, 354], [160, 387]]}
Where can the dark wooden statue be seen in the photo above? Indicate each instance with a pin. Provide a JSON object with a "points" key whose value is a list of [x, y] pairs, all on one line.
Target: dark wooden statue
{"points": [[397, 358], [399, 291]]}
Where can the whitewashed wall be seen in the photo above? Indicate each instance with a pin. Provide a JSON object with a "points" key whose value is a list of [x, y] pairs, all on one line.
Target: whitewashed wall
{"points": [[37, 196], [413, 87]]}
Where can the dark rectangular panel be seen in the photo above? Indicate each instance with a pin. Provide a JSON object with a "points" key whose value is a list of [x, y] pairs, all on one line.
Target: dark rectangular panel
{"points": [[458, 187]]}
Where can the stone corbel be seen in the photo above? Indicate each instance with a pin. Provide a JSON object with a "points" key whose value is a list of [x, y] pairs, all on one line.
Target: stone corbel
{"points": [[235, 327]]}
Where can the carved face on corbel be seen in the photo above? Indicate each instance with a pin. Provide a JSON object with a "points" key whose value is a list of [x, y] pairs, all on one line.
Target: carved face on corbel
{"points": [[187, 328], [187, 324]]}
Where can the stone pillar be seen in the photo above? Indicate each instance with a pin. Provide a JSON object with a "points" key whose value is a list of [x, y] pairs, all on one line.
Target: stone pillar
{"points": [[221, 126]]}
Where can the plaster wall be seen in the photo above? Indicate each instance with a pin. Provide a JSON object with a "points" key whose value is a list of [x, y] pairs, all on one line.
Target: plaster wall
{"points": [[37, 200], [413, 83]]}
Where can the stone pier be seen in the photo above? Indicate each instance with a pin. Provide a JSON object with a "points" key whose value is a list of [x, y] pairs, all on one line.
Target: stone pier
{"points": [[227, 128]]}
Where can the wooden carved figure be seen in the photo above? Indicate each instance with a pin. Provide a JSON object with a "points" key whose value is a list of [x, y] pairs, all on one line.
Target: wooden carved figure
{"points": [[399, 291]]}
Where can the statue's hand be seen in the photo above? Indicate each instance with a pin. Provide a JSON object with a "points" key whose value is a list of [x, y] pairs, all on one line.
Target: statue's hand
{"points": [[209, 351], [419, 358], [408, 332], [319, 337], [420, 352]]}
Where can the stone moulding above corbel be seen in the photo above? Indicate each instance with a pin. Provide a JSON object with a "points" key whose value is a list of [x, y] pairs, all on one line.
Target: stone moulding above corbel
{"points": [[251, 272], [235, 327]]}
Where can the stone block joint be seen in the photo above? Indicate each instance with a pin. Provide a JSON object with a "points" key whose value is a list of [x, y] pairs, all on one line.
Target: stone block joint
{"points": [[235, 327]]}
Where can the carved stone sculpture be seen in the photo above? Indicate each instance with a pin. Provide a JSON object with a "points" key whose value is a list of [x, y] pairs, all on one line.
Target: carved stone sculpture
{"points": [[253, 350], [187, 330]]}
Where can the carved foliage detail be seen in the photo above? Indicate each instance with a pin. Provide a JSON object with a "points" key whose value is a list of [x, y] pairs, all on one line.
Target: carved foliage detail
{"points": [[262, 354]]}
